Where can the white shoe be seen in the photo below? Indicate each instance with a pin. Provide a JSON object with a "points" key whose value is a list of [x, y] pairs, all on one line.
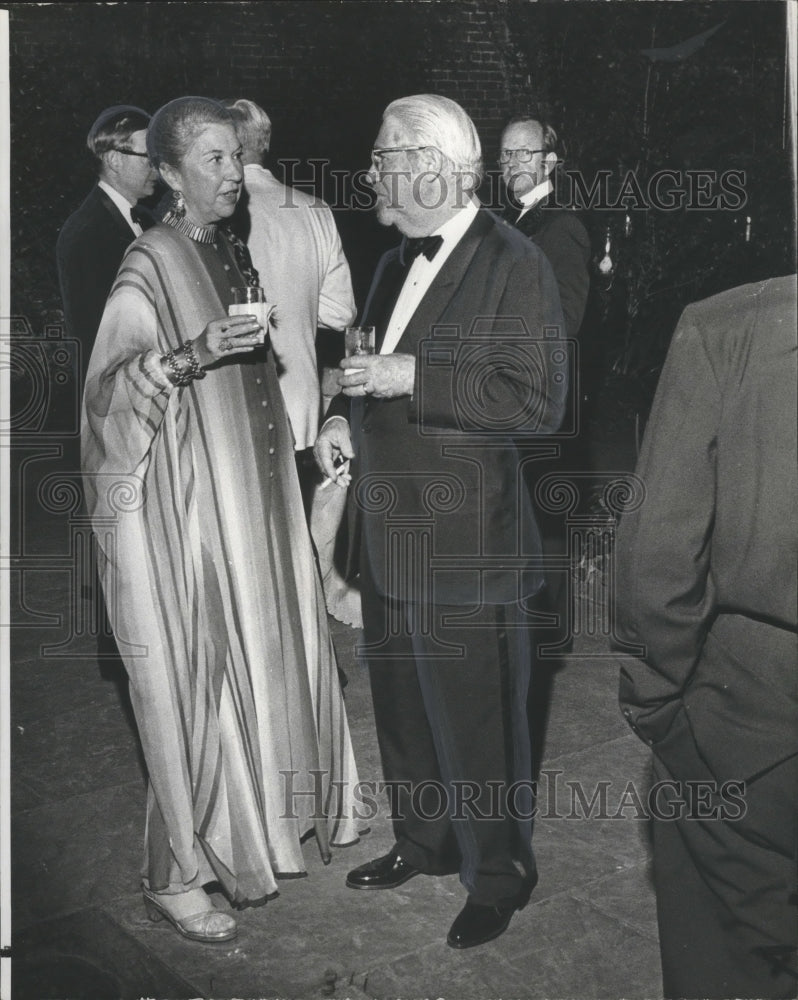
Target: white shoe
{"points": [[191, 913]]}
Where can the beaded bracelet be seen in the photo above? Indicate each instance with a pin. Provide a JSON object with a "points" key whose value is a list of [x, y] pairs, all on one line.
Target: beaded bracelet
{"points": [[195, 371], [183, 366]]}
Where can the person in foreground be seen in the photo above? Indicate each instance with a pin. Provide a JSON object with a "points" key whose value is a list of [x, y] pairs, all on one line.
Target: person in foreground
{"points": [[205, 556], [707, 569], [462, 364]]}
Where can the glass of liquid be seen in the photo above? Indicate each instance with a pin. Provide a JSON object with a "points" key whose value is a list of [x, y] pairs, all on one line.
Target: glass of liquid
{"points": [[249, 300], [358, 340]]}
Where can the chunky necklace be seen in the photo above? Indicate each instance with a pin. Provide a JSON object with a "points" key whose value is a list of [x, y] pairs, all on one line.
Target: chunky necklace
{"points": [[200, 234]]}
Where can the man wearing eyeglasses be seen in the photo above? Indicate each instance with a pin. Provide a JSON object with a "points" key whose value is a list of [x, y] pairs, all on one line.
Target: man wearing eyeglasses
{"points": [[467, 317], [94, 238], [527, 159]]}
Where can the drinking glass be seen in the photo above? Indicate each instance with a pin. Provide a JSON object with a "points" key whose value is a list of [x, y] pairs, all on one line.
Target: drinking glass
{"points": [[358, 340], [249, 300]]}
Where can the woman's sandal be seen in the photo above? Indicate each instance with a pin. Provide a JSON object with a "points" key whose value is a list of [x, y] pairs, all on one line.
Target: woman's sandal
{"points": [[191, 913]]}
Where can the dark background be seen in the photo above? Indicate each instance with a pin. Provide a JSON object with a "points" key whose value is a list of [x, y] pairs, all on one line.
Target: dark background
{"points": [[324, 72]]}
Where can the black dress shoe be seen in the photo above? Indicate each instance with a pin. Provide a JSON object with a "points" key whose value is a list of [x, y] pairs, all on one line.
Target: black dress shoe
{"points": [[476, 923], [386, 872]]}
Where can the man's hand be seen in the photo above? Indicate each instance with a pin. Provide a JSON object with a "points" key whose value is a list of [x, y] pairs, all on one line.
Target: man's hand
{"points": [[381, 375], [334, 445]]}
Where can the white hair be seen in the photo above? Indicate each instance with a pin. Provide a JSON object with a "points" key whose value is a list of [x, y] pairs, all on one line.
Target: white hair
{"points": [[253, 125], [432, 120]]}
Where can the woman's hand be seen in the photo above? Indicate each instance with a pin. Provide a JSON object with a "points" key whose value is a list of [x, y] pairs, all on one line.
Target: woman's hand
{"points": [[230, 335]]}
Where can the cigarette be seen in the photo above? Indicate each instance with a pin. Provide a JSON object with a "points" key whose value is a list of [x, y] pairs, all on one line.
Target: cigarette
{"points": [[342, 469]]}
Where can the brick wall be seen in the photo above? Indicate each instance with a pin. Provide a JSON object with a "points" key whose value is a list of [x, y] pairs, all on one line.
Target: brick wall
{"points": [[324, 72]]}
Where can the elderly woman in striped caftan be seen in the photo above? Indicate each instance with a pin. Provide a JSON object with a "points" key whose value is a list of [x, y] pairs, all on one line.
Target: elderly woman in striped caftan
{"points": [[205, 557]]}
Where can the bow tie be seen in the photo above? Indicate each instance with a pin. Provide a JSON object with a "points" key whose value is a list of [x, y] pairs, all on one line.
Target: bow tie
{"points": [[428, 245], [141, 216]]}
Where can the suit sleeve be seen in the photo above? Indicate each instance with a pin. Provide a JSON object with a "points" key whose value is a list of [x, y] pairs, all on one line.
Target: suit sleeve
{"points": [[501, 373], [85, 274], [340, 405], [336, 298], [665, 594], [569, 256]]}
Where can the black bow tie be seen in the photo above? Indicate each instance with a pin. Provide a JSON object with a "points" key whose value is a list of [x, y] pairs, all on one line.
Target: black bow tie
{"points": [[428, 245], [141, 216]]}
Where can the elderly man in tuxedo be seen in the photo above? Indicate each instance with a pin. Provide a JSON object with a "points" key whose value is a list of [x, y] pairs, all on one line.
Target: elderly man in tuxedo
{"points": [[469, 357], [94, 238], [707, 585]]}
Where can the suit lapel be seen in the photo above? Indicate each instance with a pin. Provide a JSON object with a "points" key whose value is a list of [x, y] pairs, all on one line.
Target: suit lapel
{"points": [[383, 294], [119, 222], [531, 221]]}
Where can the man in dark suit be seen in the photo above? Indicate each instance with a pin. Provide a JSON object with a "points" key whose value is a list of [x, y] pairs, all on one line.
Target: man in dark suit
{"points": [[528, 157], [706, 570], [89, 250], [468, 331], [94, 238]]}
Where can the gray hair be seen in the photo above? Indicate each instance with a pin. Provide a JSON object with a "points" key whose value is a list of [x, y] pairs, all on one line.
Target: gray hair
{"points": [[549, 136], [432, 120], [253, 125], [176, 125], [114, 127]]}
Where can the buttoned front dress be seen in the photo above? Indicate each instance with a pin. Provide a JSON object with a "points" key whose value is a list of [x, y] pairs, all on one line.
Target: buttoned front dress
{"points": [[211, 585]]}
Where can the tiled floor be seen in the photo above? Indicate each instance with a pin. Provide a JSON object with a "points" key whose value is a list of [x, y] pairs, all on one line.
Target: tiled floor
{"points": [[78, 803]]}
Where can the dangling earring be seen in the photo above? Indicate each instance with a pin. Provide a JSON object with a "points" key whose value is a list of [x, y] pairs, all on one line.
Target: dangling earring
{"points": [[179, 204]]}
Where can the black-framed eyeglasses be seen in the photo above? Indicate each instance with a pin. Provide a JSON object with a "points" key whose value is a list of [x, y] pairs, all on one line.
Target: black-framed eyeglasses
{"points": [[521, 155], [129, 152], [378, 154]]}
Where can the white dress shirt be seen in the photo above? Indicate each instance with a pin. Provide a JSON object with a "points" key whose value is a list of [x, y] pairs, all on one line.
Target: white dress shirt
{"points": [[531, 198], [122, 204], [423, 272]]}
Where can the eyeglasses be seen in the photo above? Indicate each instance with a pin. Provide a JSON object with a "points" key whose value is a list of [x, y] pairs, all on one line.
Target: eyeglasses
{"points": [[377, 155], [521, 155], [129, 152]]}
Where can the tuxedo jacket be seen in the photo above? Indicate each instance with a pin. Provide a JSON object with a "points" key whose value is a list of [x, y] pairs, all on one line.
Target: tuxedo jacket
{"points": [[444, 512], [706, 563], [89, 250], [561, 236]]}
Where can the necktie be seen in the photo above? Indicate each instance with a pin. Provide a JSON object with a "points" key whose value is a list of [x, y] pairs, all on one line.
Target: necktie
{"points": [[428, 245]]}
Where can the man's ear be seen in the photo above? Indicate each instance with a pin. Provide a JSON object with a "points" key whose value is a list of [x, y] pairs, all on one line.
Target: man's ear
{"points": [[433, 160], [111, 161], [549, 163]]}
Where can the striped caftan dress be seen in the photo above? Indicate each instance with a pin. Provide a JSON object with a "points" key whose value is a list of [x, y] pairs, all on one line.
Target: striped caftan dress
{"points": [[211, 586]]}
